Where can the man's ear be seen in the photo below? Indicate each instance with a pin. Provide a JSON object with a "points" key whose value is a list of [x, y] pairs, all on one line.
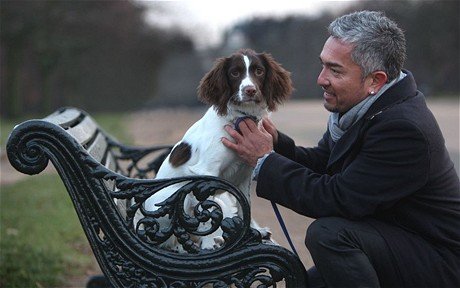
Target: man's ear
{"points": [[378, 79]]}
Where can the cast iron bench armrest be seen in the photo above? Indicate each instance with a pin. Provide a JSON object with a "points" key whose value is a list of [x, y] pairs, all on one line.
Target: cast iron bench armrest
{"points": [[89, 162]]}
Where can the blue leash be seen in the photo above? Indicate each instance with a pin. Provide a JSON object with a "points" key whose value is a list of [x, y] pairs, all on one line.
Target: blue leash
{"points": [[283, 226], [275, 208]]}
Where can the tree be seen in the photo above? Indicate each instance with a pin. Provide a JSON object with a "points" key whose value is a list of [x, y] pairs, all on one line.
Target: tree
{"points": [[97, 55]]}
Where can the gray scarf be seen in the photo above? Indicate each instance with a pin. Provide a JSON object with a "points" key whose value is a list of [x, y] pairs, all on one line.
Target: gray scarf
{"points": [[339, 125]]}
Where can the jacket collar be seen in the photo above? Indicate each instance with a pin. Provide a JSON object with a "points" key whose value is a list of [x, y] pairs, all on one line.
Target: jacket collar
{"points": [[401, 91]]}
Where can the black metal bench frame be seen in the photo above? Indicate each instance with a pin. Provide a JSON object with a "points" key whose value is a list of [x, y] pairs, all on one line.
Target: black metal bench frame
{"points": [[108, 182]]}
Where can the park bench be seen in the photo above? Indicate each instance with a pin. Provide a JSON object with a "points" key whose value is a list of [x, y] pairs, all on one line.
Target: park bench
{"points": [[108, 183]]}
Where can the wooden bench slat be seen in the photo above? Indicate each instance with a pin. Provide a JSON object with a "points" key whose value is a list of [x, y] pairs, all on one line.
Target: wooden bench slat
{"points": [[84, 131], [98, 148], [110, 164], [64, 118], [110, 184]]}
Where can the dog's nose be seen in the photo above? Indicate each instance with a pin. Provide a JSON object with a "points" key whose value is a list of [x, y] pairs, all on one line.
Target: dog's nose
{"points": [[250, 90]]}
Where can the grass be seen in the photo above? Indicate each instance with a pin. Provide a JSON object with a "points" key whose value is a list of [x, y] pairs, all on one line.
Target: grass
{"points": [[6, 126], [41, 241], [112, 123], [39, 233]]}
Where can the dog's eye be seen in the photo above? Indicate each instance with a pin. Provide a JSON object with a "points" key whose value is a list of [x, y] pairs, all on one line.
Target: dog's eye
{"points": [[259, 72], [235, 74]]}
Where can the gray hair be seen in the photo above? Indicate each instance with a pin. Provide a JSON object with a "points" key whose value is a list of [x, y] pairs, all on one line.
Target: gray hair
{"points": [[379, 44]]}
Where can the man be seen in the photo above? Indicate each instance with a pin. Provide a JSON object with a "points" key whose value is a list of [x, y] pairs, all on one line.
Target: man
{"points": [[380, 182]]}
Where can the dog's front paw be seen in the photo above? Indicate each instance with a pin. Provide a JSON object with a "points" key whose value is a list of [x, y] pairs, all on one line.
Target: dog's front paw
{"points": [[210, 243], [265, 233], [218, 241], [207, 243], [178, 249]]}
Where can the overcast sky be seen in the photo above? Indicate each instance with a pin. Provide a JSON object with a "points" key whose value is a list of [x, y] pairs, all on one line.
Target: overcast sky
{"points": [[206, 20]]}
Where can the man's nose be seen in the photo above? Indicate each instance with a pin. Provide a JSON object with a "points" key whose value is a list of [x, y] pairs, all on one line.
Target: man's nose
{"points": [[322, 79]]}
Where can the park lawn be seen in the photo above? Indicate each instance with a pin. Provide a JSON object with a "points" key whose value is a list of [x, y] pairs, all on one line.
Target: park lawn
{"points": [[40, 232], [41, 241]]}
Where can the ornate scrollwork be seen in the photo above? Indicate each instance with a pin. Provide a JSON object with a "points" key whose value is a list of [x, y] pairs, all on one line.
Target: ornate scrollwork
{"points": [[257, 275], [171, 218], [26, 153], [141, 163], [126, 271], [183, 225]]}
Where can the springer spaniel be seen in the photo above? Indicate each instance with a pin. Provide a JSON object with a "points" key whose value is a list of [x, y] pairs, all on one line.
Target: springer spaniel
{"points": [[246, 84]]}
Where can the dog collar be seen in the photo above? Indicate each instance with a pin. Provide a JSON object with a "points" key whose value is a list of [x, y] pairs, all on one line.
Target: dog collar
{"points": [[239, 119]]}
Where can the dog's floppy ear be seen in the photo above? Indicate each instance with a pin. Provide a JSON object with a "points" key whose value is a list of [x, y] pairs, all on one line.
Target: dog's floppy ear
{"points": [[214, 86], [278, 84]]}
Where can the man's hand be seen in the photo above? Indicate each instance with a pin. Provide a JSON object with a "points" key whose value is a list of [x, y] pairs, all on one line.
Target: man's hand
{"points": [[270, 128], [252, 143]]}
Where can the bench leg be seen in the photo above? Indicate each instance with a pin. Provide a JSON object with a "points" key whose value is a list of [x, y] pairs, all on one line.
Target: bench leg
{"points": [[97, 281]]}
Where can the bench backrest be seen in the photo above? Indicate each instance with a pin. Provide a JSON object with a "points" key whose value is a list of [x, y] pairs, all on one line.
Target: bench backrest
{"points": [[86, 132], [108, 151]]}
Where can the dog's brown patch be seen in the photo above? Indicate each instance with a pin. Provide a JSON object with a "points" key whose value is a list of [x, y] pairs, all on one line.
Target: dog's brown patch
{"points": [[180, 154]]}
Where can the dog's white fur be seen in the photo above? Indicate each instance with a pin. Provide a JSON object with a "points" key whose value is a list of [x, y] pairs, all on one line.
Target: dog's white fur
{"points": [[210, 157]]}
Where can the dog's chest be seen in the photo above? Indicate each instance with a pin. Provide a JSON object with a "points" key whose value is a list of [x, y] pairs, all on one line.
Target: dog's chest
{"points": [[237, 172], [207, 148]]}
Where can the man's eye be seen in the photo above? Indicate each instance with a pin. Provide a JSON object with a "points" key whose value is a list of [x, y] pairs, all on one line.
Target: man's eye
{"points": [[235, 74]]}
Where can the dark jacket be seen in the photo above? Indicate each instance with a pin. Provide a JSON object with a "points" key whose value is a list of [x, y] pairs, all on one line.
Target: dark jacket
{"points": [[391, 169]]}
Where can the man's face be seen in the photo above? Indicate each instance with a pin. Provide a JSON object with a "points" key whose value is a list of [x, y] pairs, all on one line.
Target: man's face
{"points": [[341, 78]]}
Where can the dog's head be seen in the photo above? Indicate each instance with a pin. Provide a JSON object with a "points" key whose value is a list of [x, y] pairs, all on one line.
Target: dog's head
{"points": [[245, 79]]}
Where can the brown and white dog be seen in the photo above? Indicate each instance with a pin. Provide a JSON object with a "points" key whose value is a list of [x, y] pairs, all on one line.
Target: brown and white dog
{"points": [[246, 84]]}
